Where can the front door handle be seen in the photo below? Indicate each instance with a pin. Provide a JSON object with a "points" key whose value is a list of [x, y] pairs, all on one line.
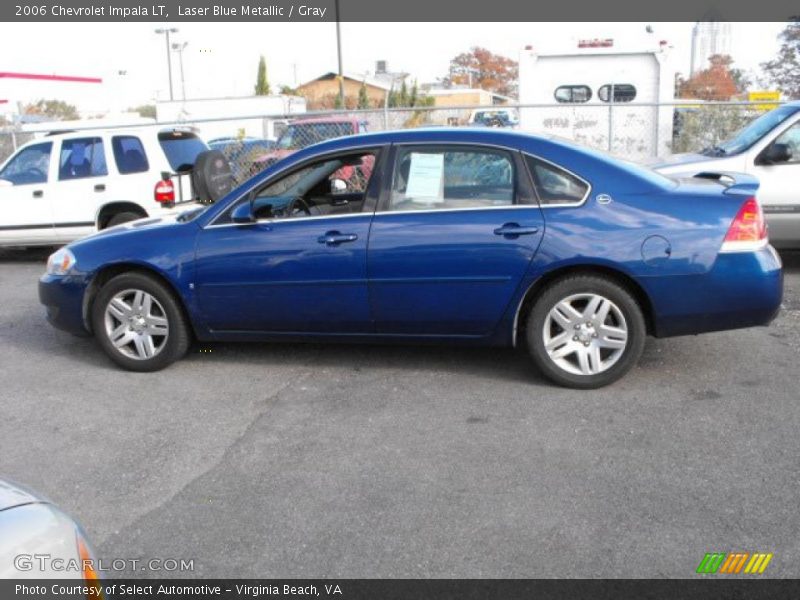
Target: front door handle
{"points": [[334, 238], [514, 230], [38, 193], [100, 187]]}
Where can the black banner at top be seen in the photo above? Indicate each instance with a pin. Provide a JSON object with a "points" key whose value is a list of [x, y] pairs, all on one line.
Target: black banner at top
{"points": [[177, 11]]}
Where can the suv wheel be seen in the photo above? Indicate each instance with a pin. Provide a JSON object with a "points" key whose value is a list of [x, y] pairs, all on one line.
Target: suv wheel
{"points": [[123, 217], [138, 323], [585, 331]]}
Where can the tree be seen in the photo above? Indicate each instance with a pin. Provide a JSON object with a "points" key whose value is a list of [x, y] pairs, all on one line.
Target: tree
{"points": [[262, 83], [784, 71], [145, 110], [715, 83], [484, 70], [363, 99], [58, 110]]}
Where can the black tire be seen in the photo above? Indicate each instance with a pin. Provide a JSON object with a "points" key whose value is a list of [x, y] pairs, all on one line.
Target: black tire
{"points": [[212, 176], [173, 345], [123, 217], [619, 361]]}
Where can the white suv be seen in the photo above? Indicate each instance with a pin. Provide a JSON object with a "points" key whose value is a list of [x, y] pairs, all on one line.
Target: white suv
{"points": [[67, 185], [769, 148]]}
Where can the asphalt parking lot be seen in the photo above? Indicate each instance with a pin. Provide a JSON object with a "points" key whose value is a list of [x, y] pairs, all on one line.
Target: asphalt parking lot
{"points": [[372, 461]]}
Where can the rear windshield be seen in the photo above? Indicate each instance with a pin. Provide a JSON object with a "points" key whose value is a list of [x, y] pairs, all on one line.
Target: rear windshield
{"points": [[181, 148]]}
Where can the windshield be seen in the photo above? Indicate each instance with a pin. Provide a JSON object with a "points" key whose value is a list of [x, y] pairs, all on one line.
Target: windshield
{"points": [[300, 135], [753, 132]]}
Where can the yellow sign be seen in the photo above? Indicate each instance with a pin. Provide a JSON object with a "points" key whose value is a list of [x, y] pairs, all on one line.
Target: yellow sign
{"points": [[764, 96]]}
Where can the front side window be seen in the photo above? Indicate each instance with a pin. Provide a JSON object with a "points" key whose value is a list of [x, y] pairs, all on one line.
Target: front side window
{"points": [[81, 158], [29, 166], [621, 92], [332, 186], [791, 137], [428, 178], [573, 94], [554, 185], [129, 154]]}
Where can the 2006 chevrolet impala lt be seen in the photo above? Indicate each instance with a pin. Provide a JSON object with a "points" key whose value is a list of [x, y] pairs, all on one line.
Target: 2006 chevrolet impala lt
{"points": [[448, 235]]}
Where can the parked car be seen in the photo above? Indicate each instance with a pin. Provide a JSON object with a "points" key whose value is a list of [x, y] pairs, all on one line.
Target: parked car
{"points": [[769, 149], [39, 541], [67, 185], [302, 133], [572, 253], [494, 117]]}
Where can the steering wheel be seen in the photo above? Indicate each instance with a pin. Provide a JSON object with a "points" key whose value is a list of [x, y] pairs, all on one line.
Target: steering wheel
{"points": [[35, 172], [298, 206]]}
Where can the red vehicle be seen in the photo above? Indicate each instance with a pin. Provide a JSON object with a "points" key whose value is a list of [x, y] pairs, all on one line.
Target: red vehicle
{"points": [[305, 132]]}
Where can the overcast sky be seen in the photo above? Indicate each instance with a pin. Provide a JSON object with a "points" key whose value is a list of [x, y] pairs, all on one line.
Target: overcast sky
{"points": [[221, 58]]}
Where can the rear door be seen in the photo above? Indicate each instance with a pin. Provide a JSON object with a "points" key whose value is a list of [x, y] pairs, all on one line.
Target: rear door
{"points": [[80, 186], [455, 232], [26, 214]]}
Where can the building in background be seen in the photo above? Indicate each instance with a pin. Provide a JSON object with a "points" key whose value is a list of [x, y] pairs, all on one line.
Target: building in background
{"points": [[463, 96], [322, 91], [709, 38]]}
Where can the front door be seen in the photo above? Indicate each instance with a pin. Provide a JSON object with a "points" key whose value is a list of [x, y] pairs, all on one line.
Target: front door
{"points": [[301, 266], [25, 211], [451, 240]]}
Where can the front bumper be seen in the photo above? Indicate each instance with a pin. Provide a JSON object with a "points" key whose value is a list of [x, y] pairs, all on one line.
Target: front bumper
{"points": [[743, 289], [62, 298]]}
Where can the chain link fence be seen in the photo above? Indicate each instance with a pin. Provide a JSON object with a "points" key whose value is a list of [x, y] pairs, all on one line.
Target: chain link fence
{"points": [[629, 130]]}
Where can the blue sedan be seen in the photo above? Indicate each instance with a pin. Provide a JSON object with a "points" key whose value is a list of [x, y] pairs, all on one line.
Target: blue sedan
{"points": [[455, 235]]}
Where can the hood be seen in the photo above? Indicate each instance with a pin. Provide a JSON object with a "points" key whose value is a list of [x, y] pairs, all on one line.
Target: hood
{"points": [[147, 223], [12, 495], [676, 160]]}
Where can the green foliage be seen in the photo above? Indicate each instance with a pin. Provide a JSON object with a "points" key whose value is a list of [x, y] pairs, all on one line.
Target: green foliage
{"points": [[363, 99], [784, 71], [145, 110], [262, 83]]}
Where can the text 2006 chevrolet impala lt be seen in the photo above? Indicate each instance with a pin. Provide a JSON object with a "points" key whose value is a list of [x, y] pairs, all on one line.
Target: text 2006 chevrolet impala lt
{"points": [[452, 235]]}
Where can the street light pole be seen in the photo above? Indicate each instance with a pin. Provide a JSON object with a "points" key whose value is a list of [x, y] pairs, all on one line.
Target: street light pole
{"points": [[167, 31], [179, 48]]}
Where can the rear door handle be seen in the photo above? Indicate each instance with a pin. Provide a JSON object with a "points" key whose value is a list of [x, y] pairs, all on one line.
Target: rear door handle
{"points": [[100, 187], [513, 230], [334, 238], [38, 193]]}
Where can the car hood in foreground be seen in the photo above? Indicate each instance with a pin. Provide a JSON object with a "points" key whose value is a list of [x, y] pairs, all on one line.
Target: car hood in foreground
{"points": [[11, 496]]}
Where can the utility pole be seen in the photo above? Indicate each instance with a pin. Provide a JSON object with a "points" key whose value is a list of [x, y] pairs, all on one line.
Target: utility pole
{"points": [[179, 48], [339, 54], [167, 31]]}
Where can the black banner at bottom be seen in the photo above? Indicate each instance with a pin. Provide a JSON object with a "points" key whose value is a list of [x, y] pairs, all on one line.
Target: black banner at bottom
{"points": [[400, 589]]}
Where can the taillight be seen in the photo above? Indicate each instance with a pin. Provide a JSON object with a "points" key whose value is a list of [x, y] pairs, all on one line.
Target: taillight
{"points": [[165, 191], [748, 231]]}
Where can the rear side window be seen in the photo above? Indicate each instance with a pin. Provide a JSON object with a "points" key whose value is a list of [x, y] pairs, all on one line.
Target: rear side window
{"points": [[451, 178], [181, 149], [554, 185], [129, 154], [30, 165], [82, 157]]}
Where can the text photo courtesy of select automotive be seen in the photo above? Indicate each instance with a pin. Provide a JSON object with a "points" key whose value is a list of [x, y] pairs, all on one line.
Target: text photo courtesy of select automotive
{"points": [[519, 300]]}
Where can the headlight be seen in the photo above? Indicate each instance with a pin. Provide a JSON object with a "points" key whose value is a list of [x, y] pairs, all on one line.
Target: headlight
{"points": [[60, 262]]}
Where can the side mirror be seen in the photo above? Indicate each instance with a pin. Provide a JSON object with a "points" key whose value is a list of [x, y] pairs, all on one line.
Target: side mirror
{"points": [[243, 213], [775, 153], [338, 186]]}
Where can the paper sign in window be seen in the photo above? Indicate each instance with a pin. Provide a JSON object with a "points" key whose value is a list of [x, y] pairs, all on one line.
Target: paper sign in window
{"points": [[426, 178]]}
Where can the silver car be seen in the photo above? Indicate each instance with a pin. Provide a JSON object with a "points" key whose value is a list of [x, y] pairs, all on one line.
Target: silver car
{"points": [[39, 541]]}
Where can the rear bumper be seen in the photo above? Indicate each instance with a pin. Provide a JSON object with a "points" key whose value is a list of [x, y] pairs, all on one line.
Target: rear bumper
{"points": [[743, 289], [62, 298]]}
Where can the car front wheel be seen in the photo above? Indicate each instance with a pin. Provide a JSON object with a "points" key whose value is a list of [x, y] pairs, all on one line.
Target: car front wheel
{"points": [[138, 323], [585, 331]]}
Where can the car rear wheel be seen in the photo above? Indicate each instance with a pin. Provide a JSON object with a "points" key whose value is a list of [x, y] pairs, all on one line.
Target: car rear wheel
{"points": [[139, 323], [585, 331]]}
